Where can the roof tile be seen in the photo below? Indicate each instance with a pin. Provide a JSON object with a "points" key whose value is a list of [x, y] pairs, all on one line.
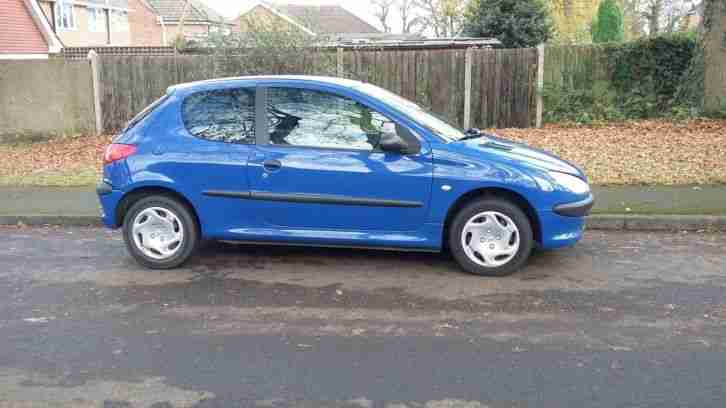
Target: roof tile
{"points": [[326, 19]]}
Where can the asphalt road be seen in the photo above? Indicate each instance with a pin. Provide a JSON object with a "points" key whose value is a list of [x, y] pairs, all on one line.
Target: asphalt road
{"points": [[621, 320]]}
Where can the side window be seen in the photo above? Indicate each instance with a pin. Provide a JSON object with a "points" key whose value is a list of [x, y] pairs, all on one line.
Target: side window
{"points": [[303, 117], [224, 115]]}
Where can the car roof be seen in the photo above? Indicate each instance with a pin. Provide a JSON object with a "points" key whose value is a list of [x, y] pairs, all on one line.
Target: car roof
{"points": [[268, 79]]}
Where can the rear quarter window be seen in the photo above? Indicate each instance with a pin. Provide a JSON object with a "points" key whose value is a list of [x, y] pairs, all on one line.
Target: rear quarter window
{"points": [[146, 112], [222, 115]]}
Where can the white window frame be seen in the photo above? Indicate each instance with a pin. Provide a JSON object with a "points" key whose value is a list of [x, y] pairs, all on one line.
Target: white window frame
{"points": [[98, 16], [59, 12]]}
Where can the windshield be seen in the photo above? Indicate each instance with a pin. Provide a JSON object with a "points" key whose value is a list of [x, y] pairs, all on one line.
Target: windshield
{"points": [[442, 129]]}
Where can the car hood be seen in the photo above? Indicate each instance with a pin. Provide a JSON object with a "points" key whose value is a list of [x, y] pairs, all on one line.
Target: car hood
{"points": [[519, 153]]}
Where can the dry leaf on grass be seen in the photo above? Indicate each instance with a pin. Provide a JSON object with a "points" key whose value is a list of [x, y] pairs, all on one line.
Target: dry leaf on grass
{"points": [[639, 152], [642, 152]]}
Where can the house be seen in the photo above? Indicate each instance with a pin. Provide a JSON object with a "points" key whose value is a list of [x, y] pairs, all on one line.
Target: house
{"points": [[157, 21], [89, 22], [331, 21], [25, 33]]}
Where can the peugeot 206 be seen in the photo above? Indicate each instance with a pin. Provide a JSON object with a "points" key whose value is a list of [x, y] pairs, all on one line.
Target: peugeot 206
{"points": [[330, 162]]}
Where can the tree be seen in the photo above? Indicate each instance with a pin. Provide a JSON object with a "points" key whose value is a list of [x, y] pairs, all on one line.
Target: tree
{"points": [[180, 39], [608, 25], [443, 17], [572, 19], [632, 19], [664, 15], [263, 46], [381, 11], [409, 20], [714, 25], [516, 23]]}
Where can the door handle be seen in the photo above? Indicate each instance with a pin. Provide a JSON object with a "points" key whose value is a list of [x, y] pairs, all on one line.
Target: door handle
{"points": [[271, 165]]}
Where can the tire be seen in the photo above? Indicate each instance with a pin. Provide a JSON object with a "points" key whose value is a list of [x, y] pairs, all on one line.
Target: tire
{"points": [[173, 217], [499, 238]]}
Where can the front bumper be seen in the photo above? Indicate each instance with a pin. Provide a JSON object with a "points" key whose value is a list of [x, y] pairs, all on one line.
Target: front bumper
{"points": [[560, 231], [575, 209]]}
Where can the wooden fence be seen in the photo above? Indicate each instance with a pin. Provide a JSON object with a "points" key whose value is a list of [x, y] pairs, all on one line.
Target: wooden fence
{"points": [[575, 66], [502, 94]]}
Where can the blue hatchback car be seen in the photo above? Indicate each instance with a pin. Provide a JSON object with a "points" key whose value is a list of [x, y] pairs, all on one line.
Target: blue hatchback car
{"points": [[330, 162]]}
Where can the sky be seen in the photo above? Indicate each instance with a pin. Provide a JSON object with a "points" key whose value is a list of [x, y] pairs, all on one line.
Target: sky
{"points": [[361, 8]]}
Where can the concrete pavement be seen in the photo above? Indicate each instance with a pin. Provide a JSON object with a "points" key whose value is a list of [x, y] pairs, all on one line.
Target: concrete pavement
{"points": [[622, 319]]}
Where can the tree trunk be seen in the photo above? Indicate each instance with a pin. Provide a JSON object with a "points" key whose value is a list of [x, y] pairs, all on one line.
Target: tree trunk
{"points": [[182, 20], [715, 56], [654, 17]]}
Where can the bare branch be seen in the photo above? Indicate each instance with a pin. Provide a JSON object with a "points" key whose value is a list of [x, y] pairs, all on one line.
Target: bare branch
{"points": [[381, 12]]}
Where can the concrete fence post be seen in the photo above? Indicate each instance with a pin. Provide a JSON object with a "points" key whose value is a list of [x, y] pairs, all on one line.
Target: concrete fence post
{"points": [[467, 87], [96, 79], [540, 83], [339, 62]]}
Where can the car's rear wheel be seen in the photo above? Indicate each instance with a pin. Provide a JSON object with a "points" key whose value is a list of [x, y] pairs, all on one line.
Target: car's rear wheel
{"points": [[160, 232], [491, 237]]}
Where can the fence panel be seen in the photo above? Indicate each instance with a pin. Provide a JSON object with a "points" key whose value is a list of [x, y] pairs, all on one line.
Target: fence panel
{"points": [[504, 87], [503, 81]]}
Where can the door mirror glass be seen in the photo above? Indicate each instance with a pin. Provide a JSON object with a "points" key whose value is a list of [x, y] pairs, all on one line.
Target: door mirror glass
{"points": [[391, 142]]}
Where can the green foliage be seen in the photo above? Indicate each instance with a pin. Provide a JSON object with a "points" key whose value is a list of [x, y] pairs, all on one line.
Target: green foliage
{"points": [[607, 26], [652, 65], [585, 105], [265, 48], [516, 23], [647, 78]]}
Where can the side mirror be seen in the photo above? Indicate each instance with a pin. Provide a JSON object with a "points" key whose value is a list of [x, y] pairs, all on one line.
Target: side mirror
{"points": [[391, 142], [398, 139]]}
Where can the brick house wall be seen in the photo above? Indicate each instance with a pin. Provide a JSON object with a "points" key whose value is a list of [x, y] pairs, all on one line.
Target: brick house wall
{"points": [[81, 35], [145, 28], [191, 30], [19, 33]]}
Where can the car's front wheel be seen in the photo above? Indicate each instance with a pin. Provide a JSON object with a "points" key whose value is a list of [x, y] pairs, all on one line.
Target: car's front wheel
{"points": [[160, 232], [491, 237]]}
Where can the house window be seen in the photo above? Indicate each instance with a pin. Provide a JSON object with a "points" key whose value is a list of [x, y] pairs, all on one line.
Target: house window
{"points": [[64, 16], [119, 20], [96, 20]]}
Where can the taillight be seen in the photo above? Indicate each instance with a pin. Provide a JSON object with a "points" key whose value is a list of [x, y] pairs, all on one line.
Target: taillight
{"points": [[116, 151]]}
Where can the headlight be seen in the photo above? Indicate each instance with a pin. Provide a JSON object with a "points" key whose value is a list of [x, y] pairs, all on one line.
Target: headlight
{"points": [[570, 183]]}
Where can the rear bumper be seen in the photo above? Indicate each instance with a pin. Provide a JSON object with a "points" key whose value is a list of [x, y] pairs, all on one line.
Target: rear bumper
{"points": [[575, 209], [109, 199]]}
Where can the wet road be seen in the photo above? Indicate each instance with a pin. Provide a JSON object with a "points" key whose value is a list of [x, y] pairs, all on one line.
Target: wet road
{"points": [[623, 319]]}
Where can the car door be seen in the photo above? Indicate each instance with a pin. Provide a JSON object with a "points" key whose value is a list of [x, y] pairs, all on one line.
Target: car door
{"points": [[211, 165], [319, 166]]}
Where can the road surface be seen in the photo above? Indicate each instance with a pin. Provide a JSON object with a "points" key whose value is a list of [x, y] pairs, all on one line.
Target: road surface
{"points": [[622, 319]]}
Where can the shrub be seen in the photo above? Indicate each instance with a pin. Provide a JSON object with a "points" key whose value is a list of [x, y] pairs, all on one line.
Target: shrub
{"points": [[516, 23], [652, 65], [651, 77], [584, 106]]}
